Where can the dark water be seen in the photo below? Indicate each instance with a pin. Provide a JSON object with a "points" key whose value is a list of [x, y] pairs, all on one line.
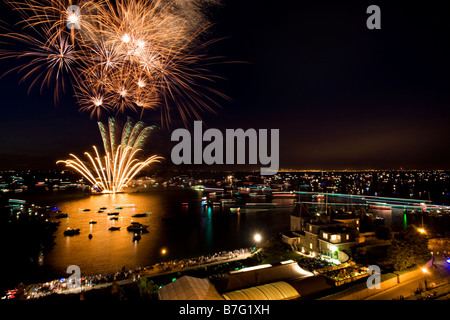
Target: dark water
{"points": [[178, 223], [185, 231]]}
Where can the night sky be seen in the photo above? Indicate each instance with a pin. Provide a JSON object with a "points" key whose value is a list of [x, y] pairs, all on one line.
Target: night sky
{"points": [[343, 96]]}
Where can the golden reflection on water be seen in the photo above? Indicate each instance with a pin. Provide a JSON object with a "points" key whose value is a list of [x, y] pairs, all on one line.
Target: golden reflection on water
{"points": [[109, 250], [185, 231]]}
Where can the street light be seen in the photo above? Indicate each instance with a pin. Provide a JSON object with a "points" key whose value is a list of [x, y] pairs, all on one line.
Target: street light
{"points": [[421, 230], [257, 237], [425, 272]]}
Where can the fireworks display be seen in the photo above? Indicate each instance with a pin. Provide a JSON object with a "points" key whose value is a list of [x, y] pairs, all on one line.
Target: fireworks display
{"points": [[116, 55], [112, 172]]}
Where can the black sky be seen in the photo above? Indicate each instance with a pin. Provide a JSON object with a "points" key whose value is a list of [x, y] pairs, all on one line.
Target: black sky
{"points": [[343, 96]]}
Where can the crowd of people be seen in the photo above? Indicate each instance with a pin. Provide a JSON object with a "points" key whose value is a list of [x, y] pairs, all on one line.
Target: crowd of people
{"points": [[73, 284]]}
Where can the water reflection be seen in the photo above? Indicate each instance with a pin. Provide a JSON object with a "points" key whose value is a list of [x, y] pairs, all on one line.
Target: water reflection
{"points": [[177, 221]]}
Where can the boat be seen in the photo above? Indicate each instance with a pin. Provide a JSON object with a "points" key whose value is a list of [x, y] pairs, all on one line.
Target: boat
{"points": [[90, 236], [86, 210], [136, 226], [113, 213], [114, 218], [136, 237], [92, 222], [379, 206], [118, 208], [62, 215], [71, 232], [139, 215], [235, 210], [114, 228], [100, 211], [103, 208]]}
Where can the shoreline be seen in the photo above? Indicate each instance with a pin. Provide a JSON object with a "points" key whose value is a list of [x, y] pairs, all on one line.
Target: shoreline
{"points": [[101, 281]]}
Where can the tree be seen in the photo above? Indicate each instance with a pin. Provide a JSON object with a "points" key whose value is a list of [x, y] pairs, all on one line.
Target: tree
{"points": [[409, 248], [147, 289]]}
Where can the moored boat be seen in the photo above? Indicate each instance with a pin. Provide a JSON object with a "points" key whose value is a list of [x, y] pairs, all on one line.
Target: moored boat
{"points": [[136, 237], [139, 215], [136, 226], [71, 232], [114, 228]]}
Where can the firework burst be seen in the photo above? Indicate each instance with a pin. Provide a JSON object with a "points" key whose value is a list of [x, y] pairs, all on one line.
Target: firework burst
{"points": [[117, 55], [112, 172]]}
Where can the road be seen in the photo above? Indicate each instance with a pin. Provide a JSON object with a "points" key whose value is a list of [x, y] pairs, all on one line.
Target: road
{"points": [[439, 276]]}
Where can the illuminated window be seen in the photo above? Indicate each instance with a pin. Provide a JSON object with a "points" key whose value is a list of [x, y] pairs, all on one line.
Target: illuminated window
{"points": [[347, 236], [325, 236], [310, 245], [310, 228], [333, 237]]}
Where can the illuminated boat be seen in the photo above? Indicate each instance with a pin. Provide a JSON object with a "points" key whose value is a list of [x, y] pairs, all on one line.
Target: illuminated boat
{"points": [[136, 226], [379, 206], [136, 237]]}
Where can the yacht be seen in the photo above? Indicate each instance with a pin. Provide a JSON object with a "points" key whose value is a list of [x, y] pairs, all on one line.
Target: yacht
{"points": [[136, 226], [71, 232], [139, 215]]}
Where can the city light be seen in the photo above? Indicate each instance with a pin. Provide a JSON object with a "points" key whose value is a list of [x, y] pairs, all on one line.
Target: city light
{"points": [[421, 230], [257, 237]]}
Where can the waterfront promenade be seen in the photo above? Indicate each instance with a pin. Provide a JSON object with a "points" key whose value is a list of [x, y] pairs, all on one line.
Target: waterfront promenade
{"points": [[100, 281]]}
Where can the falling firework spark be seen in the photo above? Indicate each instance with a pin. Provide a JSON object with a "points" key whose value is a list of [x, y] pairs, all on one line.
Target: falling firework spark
{"points": [[118, 55], [113, 172]]}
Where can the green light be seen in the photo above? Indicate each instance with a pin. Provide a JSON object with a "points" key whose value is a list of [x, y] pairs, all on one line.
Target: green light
{"points": [[405, 220], [174, 279]]}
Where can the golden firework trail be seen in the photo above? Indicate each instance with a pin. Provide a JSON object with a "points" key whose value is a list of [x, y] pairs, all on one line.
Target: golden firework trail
{"points": [[113, 172], [117, 55]]}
